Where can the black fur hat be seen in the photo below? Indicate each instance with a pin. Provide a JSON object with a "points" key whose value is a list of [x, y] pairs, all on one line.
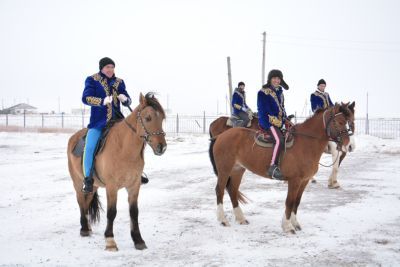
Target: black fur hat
{"points": [[105, 61], [276, 73], [322, 81]]}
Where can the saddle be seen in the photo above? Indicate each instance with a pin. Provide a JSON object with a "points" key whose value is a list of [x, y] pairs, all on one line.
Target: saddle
{"points": [[236, 121], [265, 139], [80, 145]]}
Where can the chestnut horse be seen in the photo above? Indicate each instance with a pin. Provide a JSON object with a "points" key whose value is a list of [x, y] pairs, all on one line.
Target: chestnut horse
{"points": [[234, 151], [219, 126], [119, 165]]}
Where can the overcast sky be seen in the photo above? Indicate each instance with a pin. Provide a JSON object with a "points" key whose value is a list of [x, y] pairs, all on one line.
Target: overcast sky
{"points": [[179, 49]]}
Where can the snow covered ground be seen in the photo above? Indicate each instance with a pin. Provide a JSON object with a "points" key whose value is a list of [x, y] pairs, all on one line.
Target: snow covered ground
{"points": [[358, 224]]}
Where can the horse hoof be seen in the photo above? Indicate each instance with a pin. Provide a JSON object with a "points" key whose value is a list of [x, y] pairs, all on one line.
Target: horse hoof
{"points": [[313, 181], [297, 228], [111, 248], [140, 246], [245, 222], [293, 232], [334, 186], [225, 224], [85, 232]]}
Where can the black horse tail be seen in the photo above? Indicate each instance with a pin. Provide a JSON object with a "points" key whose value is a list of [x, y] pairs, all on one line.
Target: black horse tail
{"points": [[211, 153], [95, 208]]}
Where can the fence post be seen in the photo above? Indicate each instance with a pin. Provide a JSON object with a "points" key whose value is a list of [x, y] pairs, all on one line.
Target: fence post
{"points": [[204, 122], [177, 123], [42, 120], [6, 120], [295, 117], [83, 119], [24, 118], [62, 119]]}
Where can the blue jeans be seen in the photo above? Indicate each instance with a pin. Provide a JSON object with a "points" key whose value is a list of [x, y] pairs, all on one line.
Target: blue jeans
{"points": [[92, 138]]}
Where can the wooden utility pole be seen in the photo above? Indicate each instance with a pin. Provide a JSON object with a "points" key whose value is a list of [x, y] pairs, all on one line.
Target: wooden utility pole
{"points": [[263, 60], [367, 119], [230, 81]]}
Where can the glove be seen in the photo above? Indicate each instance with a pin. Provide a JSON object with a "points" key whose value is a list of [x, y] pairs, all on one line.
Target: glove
{"points": [[107, 100], [244, 109], [122, 98]]}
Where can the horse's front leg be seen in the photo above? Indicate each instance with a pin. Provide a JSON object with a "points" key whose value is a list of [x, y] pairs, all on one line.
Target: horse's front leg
{"points": [[293, 188], [332, 182], [112, 194], [133, 193]]}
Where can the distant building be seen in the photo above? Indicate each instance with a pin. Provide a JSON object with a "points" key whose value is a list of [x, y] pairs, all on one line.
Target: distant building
{"points": [[19, 109]]}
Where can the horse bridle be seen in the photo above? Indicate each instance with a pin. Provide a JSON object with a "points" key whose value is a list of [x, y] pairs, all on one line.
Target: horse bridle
{"points": [[338, 138], [147, 134]]}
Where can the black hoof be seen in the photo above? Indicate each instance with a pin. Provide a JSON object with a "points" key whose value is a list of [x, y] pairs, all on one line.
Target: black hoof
{"points": [[145, 180], [140, 246], [85, 232]]}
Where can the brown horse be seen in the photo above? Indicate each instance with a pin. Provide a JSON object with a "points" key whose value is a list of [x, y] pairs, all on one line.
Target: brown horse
{"points": [[119, 164], [234, 151], [219, 126]]}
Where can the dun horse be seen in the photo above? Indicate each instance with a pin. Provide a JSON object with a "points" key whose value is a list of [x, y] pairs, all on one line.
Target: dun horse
{"points": [[119, 165], [233, 152]]}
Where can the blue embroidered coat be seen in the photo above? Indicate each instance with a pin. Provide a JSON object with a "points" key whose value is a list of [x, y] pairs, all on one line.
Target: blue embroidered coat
{"points": [[238, 101], [320, 100], [271, 107], [97, 87]]}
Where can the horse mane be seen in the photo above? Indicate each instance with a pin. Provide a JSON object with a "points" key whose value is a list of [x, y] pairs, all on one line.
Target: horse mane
{"points": [[318, 111], [346, 112], [153, 102]]}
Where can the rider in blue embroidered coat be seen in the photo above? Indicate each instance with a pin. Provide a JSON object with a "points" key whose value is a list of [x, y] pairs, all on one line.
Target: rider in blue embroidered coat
{"points": [[103, 92], [272, 116], [270, 103], [320, 98], [95, 93], [239, 106]]}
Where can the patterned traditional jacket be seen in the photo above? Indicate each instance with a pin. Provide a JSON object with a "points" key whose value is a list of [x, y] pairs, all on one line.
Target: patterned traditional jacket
{"points": [[97, 87], [320, 100], [271, 107], [238, 101]]}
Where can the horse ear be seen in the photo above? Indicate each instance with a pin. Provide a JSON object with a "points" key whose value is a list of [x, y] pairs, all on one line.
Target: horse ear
{"points": [[336, 108], [142, 100], [352, 105]]}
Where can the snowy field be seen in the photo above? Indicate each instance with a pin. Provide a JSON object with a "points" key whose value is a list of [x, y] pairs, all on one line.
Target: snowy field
{"points": [[357, 225]]}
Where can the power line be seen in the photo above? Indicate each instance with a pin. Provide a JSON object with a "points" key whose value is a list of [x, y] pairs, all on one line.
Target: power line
{"points": [[337, 47], [336, 40]]}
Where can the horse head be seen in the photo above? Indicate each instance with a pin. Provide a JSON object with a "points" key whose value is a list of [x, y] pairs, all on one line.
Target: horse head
{"points": [[340, 124], [150, 116]]}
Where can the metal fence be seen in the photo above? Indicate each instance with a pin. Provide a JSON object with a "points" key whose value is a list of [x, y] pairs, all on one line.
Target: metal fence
{"points": [[176, 124]]}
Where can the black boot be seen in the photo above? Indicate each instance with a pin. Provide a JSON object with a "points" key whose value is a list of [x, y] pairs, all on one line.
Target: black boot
{"points": [[145, 180], [87, 185], [274, 172]]}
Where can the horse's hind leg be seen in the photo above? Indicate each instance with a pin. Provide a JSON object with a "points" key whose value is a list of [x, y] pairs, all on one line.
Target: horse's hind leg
{"points": [[112, 194], [133, 193], [84, 202], [293, 188], [233, 190], [220, 190]]}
